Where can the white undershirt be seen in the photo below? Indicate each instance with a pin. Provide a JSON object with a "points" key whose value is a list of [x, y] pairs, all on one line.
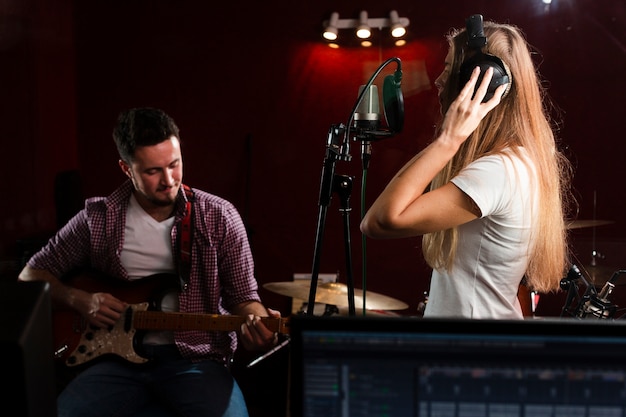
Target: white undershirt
{"points": [[147, 246], [147, 250]]}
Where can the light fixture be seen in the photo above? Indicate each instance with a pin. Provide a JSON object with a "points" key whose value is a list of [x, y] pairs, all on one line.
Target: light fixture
{"points": [[364, 25], [397, 29], [330, 30], [363, 30]]}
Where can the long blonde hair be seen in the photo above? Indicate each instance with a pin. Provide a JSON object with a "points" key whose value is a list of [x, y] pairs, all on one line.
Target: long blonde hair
{"points": [[520, 120]]}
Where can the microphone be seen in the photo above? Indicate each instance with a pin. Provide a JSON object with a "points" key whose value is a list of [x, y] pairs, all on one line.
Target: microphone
{"points": [[596, 304], [367, 118], [367, 114]]}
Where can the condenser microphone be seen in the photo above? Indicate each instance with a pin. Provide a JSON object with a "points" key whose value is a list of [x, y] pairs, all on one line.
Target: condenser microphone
{"points": [[367, 114], [367, 118]]}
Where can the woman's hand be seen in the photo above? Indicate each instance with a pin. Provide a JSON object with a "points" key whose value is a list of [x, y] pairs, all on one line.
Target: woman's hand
{"points": [[465, 112]]}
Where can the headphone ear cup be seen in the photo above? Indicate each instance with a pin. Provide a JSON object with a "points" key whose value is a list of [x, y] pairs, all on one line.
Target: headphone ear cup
{"points": [[501, 74]]}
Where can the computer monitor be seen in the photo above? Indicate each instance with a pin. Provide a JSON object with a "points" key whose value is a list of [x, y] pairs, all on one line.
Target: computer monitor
{"points": [[401, 366]]}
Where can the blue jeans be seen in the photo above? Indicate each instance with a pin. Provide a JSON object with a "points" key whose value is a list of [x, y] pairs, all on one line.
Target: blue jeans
{"points": [[167, 386], [236, 407]]}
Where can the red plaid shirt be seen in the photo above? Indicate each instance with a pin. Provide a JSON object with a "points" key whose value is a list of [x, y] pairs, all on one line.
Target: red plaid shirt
{"points": [[222, 267]]}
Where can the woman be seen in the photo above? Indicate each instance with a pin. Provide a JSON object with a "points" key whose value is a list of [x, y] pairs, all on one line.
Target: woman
{"points": [[488, 194]]}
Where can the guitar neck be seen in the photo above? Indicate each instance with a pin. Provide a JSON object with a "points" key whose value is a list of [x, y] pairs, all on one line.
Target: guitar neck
{"points": [[158, 320]]}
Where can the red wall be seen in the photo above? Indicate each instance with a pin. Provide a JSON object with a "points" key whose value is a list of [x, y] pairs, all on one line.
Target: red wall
{"points": [[254, 91]]}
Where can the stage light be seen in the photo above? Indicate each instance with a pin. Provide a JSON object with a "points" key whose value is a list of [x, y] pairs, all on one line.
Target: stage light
{"points": [[330, 31], [363, 30], [397, 29], [364, 25]]}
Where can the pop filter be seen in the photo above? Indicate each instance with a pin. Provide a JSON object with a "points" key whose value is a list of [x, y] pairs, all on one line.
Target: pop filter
{"points": [[393, 101]]}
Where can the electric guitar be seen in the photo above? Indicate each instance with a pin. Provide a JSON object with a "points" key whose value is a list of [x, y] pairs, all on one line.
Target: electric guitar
{"points": [[76, 342]]}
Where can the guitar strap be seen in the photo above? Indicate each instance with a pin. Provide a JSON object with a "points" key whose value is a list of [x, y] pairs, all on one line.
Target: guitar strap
{"points": [[186, 237]]}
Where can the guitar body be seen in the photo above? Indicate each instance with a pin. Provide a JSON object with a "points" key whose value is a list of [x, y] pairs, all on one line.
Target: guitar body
{"points": [[76, 342], [85, 343]]}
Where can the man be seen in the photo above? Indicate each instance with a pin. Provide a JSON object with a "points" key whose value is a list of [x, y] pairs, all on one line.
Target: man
{"points": [[148, 231]]}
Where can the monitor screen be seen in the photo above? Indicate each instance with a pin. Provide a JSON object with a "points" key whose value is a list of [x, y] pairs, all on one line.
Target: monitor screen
{"points": [[400, 366]]}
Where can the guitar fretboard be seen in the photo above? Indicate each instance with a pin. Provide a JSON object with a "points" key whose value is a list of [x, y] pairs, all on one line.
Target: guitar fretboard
{"points": [[157, 320]]}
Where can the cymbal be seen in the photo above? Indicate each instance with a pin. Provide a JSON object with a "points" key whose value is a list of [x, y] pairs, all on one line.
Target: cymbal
{"points": [[345, 311], [600, 274], [579, 224], [335, 293]]}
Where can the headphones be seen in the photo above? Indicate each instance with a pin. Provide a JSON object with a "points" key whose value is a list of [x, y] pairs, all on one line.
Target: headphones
{"points": [[476, 40]]}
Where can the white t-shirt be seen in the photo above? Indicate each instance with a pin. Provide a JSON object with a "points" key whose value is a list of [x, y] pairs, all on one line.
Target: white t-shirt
{"points": [[147, 243], [148, 251], [492, 255]]}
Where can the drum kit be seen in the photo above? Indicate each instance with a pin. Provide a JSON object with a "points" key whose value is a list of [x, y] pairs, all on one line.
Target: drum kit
{"points": [[594, 301]]}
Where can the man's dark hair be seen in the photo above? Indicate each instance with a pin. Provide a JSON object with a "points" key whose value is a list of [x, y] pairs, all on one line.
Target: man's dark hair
{"points": [[142, 127]]}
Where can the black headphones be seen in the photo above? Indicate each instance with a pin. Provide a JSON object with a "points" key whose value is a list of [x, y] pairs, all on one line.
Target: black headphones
{"points": [[476, 40]]}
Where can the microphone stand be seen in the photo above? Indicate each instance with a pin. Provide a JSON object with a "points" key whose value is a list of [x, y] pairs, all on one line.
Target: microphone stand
{"points": [[330, 182], [343, 187]]}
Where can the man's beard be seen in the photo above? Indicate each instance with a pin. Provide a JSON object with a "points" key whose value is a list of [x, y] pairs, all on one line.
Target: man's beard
{"points": [[159, 202]]}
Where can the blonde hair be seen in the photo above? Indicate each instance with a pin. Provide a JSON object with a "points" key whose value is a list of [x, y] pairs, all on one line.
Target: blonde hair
{"points": [[520, 120]]}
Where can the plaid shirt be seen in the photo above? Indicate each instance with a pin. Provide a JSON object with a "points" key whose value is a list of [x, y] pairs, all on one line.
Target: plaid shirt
{"points": [[222, 267]]}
